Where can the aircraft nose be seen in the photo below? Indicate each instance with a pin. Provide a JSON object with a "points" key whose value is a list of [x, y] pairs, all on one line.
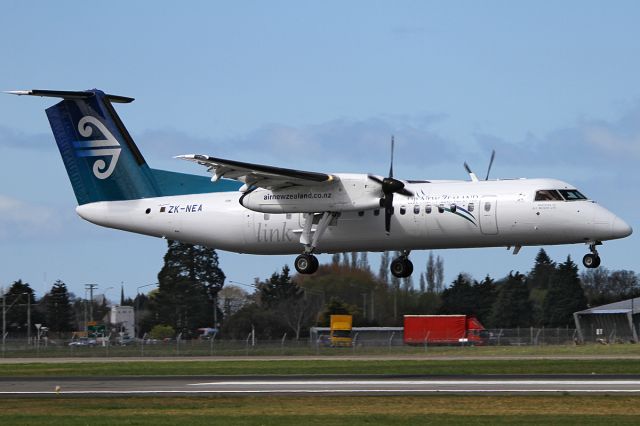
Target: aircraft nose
{"points": [[620, 228]]}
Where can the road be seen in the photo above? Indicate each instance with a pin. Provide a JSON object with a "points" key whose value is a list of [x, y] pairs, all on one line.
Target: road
{"points": [[356, 385]]}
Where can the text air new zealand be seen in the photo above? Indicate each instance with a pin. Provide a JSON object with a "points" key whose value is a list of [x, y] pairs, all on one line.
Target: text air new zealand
{"points": [[258, 209]]}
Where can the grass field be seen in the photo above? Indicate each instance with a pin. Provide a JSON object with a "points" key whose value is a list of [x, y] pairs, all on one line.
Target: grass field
{"points": [[325, 366], [324, 410]]}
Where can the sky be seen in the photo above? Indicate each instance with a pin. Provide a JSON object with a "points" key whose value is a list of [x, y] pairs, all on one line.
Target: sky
{"points": [[553, 87]]}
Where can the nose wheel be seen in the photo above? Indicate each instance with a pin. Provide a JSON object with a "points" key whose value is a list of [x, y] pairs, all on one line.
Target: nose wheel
{"points": [[401, 267], [306, 264], [591, 260]]}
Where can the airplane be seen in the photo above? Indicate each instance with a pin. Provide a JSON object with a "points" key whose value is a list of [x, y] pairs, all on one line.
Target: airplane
{"points": [[260, 209]]}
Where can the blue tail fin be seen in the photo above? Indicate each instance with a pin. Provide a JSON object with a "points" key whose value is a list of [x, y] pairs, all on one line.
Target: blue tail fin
{"points": [[102, 161]]}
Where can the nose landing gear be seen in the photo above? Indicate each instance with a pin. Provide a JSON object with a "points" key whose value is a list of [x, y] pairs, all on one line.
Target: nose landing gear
{"points": [[592, 260]]}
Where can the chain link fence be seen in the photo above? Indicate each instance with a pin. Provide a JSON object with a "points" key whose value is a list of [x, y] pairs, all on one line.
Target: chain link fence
{"points": [[319, 344]]}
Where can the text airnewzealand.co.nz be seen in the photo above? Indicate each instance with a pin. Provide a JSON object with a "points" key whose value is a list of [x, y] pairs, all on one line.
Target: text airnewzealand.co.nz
{"points": [[299, 196]]}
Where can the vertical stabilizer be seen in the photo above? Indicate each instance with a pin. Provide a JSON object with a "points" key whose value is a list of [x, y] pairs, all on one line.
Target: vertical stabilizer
{"points": [[102, 161]]}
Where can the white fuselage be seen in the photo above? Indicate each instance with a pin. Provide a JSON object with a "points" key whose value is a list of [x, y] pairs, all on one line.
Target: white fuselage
{"points": [[441, 214]]}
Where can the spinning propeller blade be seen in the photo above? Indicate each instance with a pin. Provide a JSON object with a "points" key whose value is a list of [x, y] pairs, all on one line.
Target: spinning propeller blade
{"points": [[390, 186]]}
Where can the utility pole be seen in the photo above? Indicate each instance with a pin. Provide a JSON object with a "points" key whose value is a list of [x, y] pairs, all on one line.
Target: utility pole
{"points": [[90, 287], [364, 306], [4, 320], [28, 318]]}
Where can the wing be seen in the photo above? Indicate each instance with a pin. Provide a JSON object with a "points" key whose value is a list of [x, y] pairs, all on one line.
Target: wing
{"points": [[268, 177]]}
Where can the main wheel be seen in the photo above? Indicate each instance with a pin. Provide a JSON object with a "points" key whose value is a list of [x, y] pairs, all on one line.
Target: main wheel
{"points": [[306, 264], [591, 260], [401, 267], [315, 265]]}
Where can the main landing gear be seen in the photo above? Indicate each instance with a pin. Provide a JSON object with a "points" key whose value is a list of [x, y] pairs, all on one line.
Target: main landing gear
{"points": [[401, 267], [307, 263], [592, 260]]}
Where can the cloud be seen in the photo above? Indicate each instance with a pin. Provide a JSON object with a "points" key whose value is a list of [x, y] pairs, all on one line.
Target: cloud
{"points": [[21, 219], [15, 139], [337, 143], [585, 144]]}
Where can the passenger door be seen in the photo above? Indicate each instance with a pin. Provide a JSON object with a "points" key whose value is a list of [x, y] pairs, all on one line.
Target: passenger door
{"points": [[488, 215]]}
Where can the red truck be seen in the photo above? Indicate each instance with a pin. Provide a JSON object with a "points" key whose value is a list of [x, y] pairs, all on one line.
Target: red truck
{"points": [[444, 330]]}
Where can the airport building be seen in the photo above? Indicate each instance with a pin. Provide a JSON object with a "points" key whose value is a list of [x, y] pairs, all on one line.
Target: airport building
{"points": [[615, 322], [124, 318]]}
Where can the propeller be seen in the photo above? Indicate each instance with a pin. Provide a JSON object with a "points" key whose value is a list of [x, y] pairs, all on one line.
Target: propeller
{"points": [[473, 176], [390, 186], [493, 156]]}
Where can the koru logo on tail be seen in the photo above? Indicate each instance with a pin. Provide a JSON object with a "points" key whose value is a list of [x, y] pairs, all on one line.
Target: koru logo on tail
{"points": [[107, 147]]}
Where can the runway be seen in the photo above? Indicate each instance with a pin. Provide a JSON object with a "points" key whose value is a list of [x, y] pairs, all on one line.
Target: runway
{"points": [[327, 385]]}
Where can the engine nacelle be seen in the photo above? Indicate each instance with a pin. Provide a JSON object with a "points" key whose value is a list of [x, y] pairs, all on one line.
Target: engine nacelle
{"points": [[347, 192]]}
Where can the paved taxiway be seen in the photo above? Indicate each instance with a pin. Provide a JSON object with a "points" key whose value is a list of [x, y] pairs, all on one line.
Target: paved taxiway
{"points": [[360, 385]]}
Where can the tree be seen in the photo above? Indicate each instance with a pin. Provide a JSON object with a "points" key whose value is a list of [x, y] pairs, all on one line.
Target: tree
{"points": [[538, 282], [542, 271], [363, 263], [431, 273], [407, 283], [17, 299], [188, 285], [162, 331], [335, 259], [278, 288], [354, 260], [565, 296], [356, 287], [337, 306], [232, 298], [459, 298], [385, 262], [423, 286], [485, 293], [57, 308], [623, 282], [439, 275], [602, 286], [512, 307], [288, 301]]}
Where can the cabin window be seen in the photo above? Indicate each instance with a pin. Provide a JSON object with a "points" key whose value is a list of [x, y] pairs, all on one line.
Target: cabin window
{"points": [[403, 209], [361, 213], [416, 209], [288, 216], [487, 206], [470, 207], [427, 209], [441, 208], [376, 212], [572, 194], [453, 208], [548, 195], [267, 216]]}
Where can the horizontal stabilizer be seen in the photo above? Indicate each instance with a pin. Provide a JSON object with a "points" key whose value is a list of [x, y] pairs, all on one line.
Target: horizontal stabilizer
{"points": [[66, 94]]}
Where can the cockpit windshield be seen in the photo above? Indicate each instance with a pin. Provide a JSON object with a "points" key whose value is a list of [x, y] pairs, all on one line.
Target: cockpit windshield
{"points": [[559, 195], [548, 195], [572, 194]]}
